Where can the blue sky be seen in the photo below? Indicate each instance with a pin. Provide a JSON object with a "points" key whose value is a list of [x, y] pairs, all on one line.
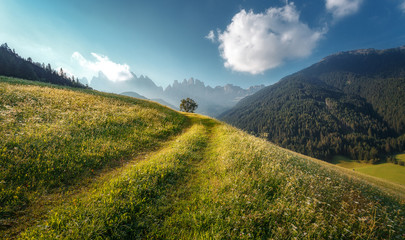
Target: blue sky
{"points": [[243, 42]]}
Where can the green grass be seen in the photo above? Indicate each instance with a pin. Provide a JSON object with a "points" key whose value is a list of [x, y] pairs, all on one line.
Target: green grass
{"points": [[53, 137], [210, 181], [217, 182], [345, 162], [400, 157], [387, 171], [128, 206]]}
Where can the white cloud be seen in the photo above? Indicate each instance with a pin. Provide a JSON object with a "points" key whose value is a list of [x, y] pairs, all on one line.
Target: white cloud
{"points": [[211, 36], [113, 71], [342, 8], [402, 6], [255, 43]]}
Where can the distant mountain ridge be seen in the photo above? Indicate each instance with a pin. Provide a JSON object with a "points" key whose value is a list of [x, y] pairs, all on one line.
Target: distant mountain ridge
{"points": [[211, 101], [141, 85], [350, 103], [133, 94]]}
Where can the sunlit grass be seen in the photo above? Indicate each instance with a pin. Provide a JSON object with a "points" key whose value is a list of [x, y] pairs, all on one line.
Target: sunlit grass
{"points": [[130, 205], [212, 181], [400, 157], [345, 162], [232, 186], [52, 137], [251, 189], [387, 171]]}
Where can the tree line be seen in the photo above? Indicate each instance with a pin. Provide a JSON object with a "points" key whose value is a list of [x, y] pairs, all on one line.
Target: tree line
{"points": [[13, 65], [315, 119]]}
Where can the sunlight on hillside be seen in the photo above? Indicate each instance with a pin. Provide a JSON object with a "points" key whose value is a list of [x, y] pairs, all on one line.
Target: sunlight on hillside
{"points": [[123, 168], [400, 157], [388, 171]]}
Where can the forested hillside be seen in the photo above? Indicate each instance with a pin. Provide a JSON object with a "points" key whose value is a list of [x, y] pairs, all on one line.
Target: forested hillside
{"points": [[13, 65], [350, 103]]}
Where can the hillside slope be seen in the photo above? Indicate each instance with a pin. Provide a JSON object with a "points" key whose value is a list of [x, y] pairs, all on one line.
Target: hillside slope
{"points": [[13, 65], [351, 103], [192, 177], [52, 137]]}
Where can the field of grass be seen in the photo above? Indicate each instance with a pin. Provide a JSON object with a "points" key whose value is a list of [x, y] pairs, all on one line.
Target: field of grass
{"points": [[345, 162], [210, 181], [400, 157], [387, 171], [53, 137]]}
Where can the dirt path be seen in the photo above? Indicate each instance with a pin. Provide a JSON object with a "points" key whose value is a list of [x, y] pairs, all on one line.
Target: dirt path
{"points": [[37, 211], [166, 184]]}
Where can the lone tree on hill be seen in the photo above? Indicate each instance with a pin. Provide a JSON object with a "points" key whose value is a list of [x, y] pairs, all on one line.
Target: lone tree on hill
{"points": [[188, 105]]}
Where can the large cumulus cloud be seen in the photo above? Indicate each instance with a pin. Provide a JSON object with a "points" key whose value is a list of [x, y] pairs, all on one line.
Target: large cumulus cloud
{"points": [[256, 42]]}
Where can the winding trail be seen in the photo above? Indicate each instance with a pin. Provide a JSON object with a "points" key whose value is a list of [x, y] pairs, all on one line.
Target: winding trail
{"points": [[188, 197], [38, 211], [137, 199], [210, 182]]}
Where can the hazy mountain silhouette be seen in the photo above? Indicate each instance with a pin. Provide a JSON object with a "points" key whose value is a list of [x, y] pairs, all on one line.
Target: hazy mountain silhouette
{"points": [[133, 94], [211, 101]]}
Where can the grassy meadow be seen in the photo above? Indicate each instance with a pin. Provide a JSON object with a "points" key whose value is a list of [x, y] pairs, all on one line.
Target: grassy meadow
{"points": [[400, 157], [387, 171], [52, 138], [137, 170]]}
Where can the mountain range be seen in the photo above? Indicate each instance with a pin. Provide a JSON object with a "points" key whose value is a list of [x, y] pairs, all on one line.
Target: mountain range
{"points": [[350, 103], [211, 101]]}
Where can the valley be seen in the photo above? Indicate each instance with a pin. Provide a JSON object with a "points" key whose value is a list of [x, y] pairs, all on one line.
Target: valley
{"points": [[387, 171]]}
